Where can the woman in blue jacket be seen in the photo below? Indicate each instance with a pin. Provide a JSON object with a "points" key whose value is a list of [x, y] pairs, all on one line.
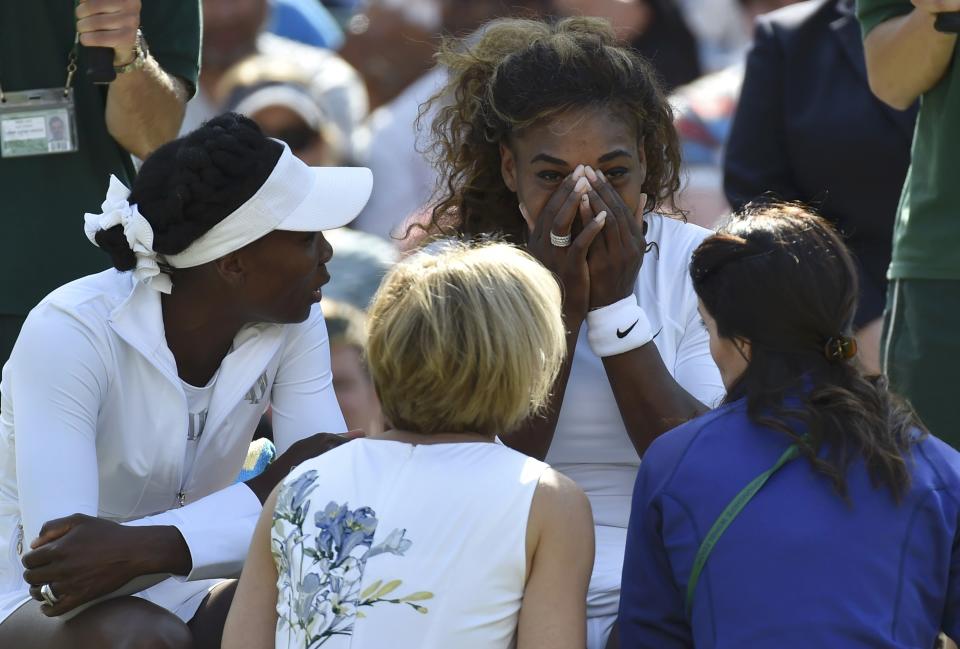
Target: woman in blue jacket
{"points": [[811, 509]]}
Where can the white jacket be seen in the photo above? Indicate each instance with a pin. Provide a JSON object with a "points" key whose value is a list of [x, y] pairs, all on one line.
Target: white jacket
{"points": [[93, 420]]}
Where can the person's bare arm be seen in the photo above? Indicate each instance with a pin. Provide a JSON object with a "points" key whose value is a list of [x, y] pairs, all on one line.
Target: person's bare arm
{"points": [[252, 621], [145, 107], [560, 548], [906, 56], [650, 400]]}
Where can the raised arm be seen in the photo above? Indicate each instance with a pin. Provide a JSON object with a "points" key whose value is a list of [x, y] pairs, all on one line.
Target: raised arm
{"points": [[145, 106], [905, 55], [650, 397], [560, 549]]}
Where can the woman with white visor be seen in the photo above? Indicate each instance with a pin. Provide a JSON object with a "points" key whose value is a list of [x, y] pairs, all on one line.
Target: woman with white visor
{"points": [[130, 399]]}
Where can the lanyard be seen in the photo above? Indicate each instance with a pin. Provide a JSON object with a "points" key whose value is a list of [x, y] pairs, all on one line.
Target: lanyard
{"points": [[726, 517], [71, 69]]}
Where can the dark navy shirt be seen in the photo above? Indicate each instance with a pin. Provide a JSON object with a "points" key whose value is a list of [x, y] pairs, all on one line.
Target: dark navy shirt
{"points": [[799, 567]]}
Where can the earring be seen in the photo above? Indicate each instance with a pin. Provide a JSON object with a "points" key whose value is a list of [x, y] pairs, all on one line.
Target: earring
{"points": [[523, 212]]}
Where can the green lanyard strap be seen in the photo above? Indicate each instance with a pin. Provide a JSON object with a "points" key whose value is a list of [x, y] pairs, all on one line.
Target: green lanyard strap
{"points": [[726, 517]]}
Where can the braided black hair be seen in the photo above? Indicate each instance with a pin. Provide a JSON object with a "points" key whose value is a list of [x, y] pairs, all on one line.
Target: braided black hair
{"points": [[189, 185]]}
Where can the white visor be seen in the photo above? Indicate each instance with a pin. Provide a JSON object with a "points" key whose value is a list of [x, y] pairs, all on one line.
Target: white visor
{"points": [[294, 197]]}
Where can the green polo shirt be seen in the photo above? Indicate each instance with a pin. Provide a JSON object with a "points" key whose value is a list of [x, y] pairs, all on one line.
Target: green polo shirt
{"points": [[926, 238], [43, 198]]}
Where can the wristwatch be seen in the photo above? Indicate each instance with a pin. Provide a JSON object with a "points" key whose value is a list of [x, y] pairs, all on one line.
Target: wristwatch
{"points": [[140, 54]]}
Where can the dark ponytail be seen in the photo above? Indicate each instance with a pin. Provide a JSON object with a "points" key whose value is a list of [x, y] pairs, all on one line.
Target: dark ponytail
{"points": [[114, 243], [187, 186], [781, 278]]}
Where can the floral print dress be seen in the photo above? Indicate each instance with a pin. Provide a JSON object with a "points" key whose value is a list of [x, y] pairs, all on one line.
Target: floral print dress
{"points": [[380, 543]]}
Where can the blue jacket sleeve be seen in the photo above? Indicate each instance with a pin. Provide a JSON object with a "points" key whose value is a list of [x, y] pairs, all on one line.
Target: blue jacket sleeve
{"points": [[651, 602]]}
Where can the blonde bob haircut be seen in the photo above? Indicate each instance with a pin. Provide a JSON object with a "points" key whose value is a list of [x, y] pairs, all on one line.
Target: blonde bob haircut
{"points": [[467, 339]]}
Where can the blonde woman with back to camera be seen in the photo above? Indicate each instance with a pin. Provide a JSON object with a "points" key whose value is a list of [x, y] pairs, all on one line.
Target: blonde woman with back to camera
{"points": [[432, 534]]}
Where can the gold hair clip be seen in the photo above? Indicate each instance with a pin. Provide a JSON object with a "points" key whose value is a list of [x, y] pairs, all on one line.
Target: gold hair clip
{"points": [[840, 348]]}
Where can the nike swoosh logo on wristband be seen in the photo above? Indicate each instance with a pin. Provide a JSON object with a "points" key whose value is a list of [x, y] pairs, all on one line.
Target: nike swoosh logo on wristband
{"points": [[623, 334]]}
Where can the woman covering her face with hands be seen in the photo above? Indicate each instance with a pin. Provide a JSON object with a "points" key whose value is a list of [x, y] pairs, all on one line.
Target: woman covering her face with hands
{"points": [[556, 137]]}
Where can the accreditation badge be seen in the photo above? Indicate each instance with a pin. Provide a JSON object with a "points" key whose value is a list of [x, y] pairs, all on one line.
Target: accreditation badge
{"points": [[37, 122]]}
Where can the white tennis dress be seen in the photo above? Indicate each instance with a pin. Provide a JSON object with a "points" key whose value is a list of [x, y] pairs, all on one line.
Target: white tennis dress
{"points": [[386, 544], [591, 445]]}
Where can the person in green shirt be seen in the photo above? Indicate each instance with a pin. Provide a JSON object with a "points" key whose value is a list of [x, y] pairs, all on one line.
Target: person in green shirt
{"points": [[909, 57], [156, 46]]}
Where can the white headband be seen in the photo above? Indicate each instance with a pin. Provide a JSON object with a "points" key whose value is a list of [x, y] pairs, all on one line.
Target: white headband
{"points": [[294, 197]]}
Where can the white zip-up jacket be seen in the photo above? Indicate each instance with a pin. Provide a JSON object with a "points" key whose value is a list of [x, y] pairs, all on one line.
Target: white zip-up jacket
{"points": [[93, 420]]}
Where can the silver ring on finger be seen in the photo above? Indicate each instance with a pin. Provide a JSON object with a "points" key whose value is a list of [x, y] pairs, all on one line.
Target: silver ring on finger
{"points": [[46, 592], [560, 241]]}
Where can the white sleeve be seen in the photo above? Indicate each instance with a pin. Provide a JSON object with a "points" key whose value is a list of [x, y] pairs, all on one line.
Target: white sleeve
{"points": [[56, 378], [56, 399], [303, 399], [217, 529], [695, 370]]}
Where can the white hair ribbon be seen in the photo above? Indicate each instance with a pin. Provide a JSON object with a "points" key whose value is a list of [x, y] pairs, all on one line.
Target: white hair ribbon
{"points": [[118, 211]]}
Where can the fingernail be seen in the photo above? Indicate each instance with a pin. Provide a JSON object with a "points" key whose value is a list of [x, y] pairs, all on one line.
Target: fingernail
{"points": [[578, 172], [601, 217], [585, 199], [591, 174], [582, 185], [523, 211], [601, 176]]}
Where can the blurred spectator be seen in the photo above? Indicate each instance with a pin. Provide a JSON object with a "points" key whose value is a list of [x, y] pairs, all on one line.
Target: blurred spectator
{"points": [[390, 145], [722, 28], [342, 10], [347, 328], [48, 183], [234, 30], [909, 58], [655, 28], [703, 114], [391, 46], [720, 31], [359, 264], [808, 129], [275, 93], [392, 148], [305, 21]]}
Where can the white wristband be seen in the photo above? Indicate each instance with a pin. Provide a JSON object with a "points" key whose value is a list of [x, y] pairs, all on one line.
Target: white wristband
{"points": [[618, 328]]}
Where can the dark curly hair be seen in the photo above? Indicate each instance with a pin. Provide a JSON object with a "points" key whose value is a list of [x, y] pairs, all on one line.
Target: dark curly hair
{"points": [[780, 277], [518, 74], [187, 186]]}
